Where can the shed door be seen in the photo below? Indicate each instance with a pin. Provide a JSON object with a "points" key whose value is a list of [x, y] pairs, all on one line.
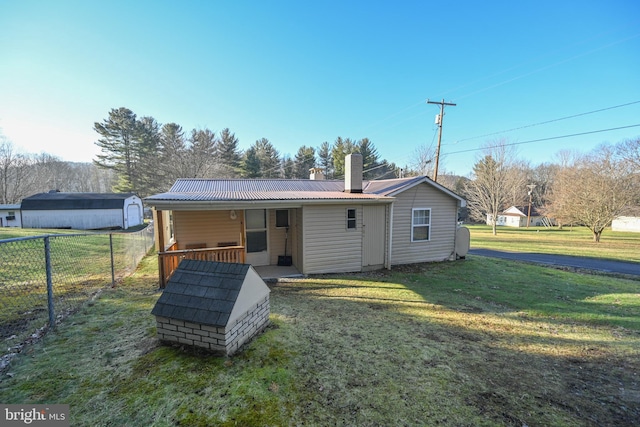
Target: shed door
{"points": [[373, 230], [133, 216]]}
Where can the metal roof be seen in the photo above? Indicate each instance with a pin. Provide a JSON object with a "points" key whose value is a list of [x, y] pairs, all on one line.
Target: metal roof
{"points": [[10, 207], [66, 201], [285, 190]]}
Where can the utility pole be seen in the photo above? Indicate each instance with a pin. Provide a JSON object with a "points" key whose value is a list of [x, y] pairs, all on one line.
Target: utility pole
{"points": [[531, 187], [439, 118]]}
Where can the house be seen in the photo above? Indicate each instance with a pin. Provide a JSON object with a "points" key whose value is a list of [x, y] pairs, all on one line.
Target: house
{"points": [[518, 216], [320, 226], [10, 216], [212, 305], [81, 211]]}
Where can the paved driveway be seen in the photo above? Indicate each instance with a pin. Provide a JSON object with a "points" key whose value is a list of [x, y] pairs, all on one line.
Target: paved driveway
{"points": [[608, 266]]}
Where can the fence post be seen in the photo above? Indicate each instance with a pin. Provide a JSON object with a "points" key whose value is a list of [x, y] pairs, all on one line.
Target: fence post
{"points": [[113, 274], [47, 260]]}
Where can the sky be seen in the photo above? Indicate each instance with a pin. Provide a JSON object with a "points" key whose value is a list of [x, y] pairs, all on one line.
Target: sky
{"points": [[529, 73]]}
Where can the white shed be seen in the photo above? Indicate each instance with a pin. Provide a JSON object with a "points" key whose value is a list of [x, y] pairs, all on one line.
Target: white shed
{"points": [[626, 223], [10, 216], [82, 211]]}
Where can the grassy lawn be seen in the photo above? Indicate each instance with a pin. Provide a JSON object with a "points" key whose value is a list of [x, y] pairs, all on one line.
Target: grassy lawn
{"points": [[80, 265], [478, 342], [578, 241]]}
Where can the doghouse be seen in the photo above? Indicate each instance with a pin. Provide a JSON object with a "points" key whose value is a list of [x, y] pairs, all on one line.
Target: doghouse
{"points": [[212, 305]]}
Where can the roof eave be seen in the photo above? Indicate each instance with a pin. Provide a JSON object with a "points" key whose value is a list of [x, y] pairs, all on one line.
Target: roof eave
{"points": [[258, 204]]}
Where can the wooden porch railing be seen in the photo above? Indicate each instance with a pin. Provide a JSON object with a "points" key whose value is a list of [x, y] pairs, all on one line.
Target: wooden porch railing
{"points": [[169, 259]]}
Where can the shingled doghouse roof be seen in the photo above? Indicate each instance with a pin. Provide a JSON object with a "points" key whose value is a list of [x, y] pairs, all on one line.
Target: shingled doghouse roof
{"points": [[202, 292]]}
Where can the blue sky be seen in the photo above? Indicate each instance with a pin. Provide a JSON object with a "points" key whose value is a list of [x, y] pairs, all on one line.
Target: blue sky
{"points": [[301, 72]]}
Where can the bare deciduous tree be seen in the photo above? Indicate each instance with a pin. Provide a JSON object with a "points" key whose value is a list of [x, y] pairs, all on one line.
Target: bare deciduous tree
{"points": [[593, 190], [14, 173], [423, 160], [495, 178], [629, 152]]}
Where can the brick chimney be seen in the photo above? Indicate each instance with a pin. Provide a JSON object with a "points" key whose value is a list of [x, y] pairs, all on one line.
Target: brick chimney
{"points": [[316, 174], [353, 173]]}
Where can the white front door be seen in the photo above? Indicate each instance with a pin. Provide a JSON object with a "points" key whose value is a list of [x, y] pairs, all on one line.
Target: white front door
{"points": [[256, 238]]}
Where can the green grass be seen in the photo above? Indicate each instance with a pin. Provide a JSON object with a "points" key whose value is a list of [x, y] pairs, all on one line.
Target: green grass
{"points": [[80, 263], [478, 342], [576, 241]]}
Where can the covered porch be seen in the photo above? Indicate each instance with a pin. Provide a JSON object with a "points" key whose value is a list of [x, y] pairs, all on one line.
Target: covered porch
{"points": [[268, 239]]}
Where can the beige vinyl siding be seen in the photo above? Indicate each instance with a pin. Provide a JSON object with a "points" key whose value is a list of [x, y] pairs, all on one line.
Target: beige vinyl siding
{"points": [[297, 240], [444, 213], [328, 246], [208, 227]]}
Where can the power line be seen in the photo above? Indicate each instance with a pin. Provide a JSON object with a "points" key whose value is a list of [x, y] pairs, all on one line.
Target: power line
{"points": [[550, 66], [544, 139], [549, 121]]}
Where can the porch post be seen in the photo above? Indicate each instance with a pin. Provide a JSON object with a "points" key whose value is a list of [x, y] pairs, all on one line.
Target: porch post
{"points": [[160, 228], [160, 247]]}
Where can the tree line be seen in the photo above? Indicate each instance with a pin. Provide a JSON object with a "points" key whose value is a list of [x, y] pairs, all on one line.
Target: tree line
{"points": [[142, 156], [147, 157], [22, 175]]}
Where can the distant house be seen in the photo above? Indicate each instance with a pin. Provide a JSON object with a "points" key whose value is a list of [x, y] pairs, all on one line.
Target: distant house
{"points": [[10, 216], [518, 216], [315, 225], [626, 223], [82, 211]]}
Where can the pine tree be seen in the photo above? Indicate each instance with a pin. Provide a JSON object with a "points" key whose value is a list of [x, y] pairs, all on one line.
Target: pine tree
{"points": [[370, 156], [228, 154], [173, 152], [305, 159], [202, 150], [120, 148], [147, 159], [325, 161], [251, 164], [341, 148], [288, 167], [269, 159]]}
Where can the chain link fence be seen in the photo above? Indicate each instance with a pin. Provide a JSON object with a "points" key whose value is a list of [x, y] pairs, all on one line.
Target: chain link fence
{"points": [[45, 278]]}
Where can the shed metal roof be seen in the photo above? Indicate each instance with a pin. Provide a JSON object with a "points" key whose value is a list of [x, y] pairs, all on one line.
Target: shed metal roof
{"points": [[70, 201], [10, 207], [202, 292]]}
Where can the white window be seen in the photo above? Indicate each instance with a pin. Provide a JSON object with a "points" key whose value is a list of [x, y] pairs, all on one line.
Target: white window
{"points": [[421, 225], [282, 218], [351, 219]]}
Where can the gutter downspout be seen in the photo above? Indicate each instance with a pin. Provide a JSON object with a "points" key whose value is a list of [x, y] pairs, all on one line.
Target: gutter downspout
{"points": [[390, 245]]}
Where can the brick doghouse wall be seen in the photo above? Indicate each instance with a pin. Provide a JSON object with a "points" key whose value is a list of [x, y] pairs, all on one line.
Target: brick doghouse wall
{"points": [[222, 340]]}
